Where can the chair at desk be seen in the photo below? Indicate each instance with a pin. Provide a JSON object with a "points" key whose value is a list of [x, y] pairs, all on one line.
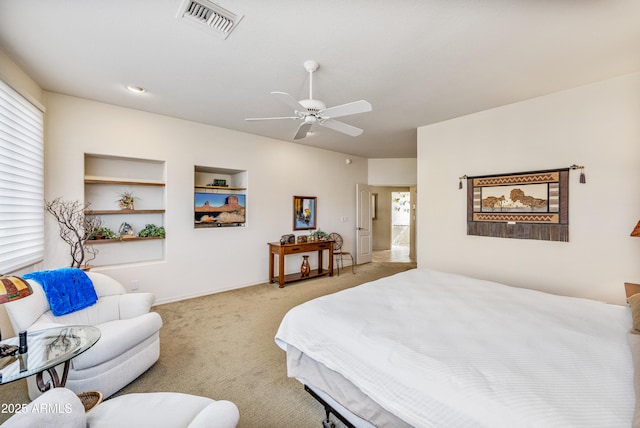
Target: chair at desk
{"points": [[338, 253]]}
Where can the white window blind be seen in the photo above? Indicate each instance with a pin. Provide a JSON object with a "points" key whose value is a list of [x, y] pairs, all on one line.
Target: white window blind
{"points": [[21, 181]]}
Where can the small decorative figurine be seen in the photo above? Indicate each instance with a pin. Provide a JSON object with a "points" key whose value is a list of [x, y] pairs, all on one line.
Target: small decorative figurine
{"points": [[126, 230]]}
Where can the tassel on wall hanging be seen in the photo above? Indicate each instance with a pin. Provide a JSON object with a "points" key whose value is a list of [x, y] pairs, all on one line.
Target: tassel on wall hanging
{"points": [[583, 178]]}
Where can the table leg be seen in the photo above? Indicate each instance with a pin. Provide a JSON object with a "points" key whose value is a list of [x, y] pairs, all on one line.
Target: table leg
{"points": [[55, 382], [281, 269], [319, 261], [270, 266]]}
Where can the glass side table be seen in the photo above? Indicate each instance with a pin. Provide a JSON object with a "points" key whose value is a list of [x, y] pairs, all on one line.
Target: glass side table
{"points": [[47, 349]]}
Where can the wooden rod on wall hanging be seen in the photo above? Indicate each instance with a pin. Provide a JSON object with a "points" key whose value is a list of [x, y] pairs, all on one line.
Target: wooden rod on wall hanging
{"points": [[583, 178]]}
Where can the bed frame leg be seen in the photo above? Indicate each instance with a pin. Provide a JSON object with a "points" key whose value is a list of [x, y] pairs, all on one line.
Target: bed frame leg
{"points": [[328, 410], [327, 423]]}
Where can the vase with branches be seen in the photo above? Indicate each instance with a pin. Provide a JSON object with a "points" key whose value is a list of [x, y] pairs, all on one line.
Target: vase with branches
{"points": [[75, 229]]}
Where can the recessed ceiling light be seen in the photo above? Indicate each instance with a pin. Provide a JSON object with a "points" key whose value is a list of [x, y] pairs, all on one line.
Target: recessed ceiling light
{"points": [[136, 89]]}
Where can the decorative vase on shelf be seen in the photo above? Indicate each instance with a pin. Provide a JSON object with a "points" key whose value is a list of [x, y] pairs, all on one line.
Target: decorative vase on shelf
{"points": [[305, 268]]}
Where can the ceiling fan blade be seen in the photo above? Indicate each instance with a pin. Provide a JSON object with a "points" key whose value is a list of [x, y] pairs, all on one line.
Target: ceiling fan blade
{"points": [[302, 130], [355, 107], [341, 127], [271, 118], [290, 101]]}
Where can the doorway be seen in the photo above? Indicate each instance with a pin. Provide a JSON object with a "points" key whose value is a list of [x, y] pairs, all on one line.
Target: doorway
{"points": [[400, 223], [393, 228]]}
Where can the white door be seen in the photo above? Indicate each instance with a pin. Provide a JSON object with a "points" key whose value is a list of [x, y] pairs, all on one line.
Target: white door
{"points": [[363, 224]]}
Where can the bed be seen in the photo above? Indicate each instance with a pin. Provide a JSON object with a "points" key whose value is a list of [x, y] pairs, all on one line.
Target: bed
{"points": [[431, 349]]}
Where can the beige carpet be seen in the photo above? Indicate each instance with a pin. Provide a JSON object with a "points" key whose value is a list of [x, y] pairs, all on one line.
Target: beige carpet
{"points": [[222, 346]]}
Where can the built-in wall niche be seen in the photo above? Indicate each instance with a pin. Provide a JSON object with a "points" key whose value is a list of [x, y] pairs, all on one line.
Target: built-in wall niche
{"points": [[106, 179], [219, 197]]}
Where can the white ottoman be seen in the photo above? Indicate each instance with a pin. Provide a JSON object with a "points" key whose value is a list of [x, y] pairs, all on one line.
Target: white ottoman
{"points": [[61, 408], [163, 409]]}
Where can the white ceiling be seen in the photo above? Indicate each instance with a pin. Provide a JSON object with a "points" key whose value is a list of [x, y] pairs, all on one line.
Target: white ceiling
{"points": [[417, 62]]}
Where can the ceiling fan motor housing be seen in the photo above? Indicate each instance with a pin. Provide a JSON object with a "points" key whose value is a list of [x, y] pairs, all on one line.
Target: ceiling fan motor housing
{"points": [[311, 65], [313, 106]]}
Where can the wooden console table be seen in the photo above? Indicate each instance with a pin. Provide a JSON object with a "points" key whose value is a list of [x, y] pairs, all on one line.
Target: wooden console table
{"points": [[275, 248]]}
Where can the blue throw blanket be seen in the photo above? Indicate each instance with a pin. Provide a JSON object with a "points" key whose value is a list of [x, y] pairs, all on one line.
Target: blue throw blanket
{"points": [[67, 289]]}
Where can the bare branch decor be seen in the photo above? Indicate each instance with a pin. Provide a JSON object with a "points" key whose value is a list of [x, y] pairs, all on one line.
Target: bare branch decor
{"points": [[75, 229]]}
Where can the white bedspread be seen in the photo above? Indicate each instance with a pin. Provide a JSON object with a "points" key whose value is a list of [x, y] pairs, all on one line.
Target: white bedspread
{"points": [[444, 350]]}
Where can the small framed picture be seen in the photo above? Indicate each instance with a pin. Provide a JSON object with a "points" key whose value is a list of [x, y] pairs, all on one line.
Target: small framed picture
{"points": [[304, 212]]}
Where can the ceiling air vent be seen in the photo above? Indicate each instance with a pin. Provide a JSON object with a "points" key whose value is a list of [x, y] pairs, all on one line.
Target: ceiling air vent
{"points": [[209, 15]]}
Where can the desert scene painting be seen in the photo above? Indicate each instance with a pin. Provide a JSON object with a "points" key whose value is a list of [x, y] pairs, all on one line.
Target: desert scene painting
{"points": [[521, 198], [218, 209]]}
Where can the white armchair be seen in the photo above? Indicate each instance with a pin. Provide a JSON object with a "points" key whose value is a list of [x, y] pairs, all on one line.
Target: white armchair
{"points": [[129, 343], [153, 410]]}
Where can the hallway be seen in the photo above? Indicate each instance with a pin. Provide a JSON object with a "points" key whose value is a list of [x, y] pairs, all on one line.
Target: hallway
{"points": [[397, 254]]}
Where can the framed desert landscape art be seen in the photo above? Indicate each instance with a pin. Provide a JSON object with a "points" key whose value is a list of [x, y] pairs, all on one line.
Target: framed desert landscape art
{"points": [[527, 205]]}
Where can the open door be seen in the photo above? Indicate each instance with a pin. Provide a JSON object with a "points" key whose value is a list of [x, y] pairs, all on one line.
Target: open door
{"points": [[364, 243], [414, 201]]}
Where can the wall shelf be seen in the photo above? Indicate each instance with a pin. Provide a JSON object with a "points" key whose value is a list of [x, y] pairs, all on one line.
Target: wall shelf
{"points": [[88, 180], [106, 179], [219, 187], [110, 241], [127, 212]]}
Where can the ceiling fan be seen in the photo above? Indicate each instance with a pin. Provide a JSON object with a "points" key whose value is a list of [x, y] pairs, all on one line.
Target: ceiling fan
{"points": [[312, 112]]}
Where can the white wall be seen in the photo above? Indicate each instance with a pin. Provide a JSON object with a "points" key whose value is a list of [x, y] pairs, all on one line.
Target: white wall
{"points": [[392, 172], [597, 126], [13, 75], [198, 261]]}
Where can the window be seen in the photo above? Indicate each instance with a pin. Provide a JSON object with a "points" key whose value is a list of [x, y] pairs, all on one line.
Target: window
{"points": [[21, 181]]}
